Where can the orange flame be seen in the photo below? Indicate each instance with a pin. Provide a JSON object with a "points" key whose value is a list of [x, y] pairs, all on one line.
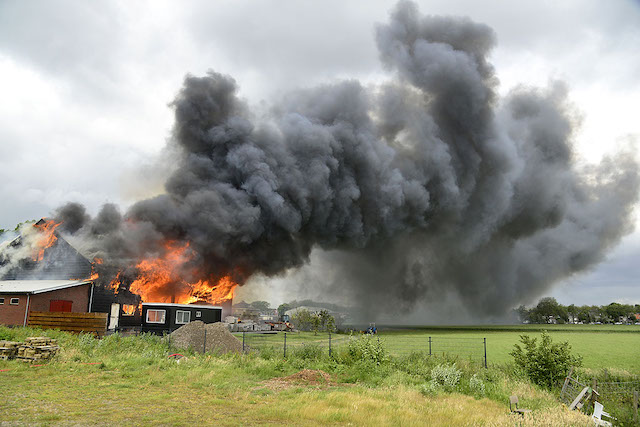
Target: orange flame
{"points": [[160, 280], [117, 282], [47, 239]]}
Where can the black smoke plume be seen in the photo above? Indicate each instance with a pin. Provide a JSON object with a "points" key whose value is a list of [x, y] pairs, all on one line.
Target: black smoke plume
{"points": [[428, 184]]}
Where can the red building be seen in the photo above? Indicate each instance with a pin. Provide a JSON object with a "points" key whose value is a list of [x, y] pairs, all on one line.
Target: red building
{"points": [[18, 297]]}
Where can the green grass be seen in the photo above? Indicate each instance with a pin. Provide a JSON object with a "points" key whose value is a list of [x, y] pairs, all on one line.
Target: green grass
{"points": [[601, 346], [135, 383]]}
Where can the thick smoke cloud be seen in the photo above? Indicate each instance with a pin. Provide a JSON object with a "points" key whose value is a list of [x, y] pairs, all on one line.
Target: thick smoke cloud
{"points": [[429, 184]]}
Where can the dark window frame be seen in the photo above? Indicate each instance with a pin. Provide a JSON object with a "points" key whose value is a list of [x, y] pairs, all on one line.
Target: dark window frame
{"points": [[183, 313]]}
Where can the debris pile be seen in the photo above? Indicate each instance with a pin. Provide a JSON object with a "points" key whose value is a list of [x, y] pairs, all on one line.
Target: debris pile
{"points": [[34, 348], [213, 337], [9, 349]]}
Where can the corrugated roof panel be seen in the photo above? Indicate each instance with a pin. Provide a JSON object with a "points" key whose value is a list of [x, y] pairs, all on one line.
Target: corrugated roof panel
{"points": [[37, 286]]}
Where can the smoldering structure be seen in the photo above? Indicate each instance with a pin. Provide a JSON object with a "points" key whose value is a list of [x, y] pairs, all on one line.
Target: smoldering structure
{"points": [[427, 184]]}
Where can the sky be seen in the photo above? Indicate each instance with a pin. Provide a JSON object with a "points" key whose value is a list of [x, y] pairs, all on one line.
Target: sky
{"points": [[85, 91]]}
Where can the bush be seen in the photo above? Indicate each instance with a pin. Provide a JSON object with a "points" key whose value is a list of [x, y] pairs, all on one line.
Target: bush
{"points": [[366, 348], [308, 352], [477, 385], [546, 364], [446, 376]]}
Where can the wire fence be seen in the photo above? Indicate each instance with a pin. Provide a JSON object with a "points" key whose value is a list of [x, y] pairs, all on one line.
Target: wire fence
{"points": [[474, 349], [619, 395]]}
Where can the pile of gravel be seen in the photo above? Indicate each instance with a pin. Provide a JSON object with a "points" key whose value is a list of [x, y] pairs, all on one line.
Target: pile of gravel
{"points": [[218, 339]]}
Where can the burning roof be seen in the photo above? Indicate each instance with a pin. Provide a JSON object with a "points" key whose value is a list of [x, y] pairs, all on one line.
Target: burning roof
{"points": [[40, 252]]}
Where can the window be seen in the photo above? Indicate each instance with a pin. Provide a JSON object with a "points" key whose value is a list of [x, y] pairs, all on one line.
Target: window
{"points": [[14, 301], [1, 301], [198, 314], [183, 317], [128, 309], [156, 316]]}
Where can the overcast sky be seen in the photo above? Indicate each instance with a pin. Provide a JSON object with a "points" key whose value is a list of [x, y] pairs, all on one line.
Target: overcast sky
{"points": [[85, 87]]}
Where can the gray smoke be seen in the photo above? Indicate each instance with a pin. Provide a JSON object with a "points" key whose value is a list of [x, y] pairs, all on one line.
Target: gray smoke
{"points": [[429, 184]]}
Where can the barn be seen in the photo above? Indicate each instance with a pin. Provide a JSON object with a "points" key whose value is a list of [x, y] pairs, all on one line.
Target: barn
{"points": [[19, 297], [167, 317]]}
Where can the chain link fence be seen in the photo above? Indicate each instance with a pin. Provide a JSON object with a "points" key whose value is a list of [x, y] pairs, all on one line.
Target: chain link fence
{"points": [[474, 349]]}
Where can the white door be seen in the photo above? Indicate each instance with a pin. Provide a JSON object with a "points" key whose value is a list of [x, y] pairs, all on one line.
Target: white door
{"points": [[114, 316]]}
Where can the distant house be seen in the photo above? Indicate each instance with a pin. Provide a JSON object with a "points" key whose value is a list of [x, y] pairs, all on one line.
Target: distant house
{"points": [[244, 309], [19, 297]]}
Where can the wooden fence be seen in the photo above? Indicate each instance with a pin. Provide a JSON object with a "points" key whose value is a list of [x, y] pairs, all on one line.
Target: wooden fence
{"points": [[73, 322]]}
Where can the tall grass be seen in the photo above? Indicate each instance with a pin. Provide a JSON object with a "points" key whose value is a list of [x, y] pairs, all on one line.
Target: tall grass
{"points": [[372, 386]]}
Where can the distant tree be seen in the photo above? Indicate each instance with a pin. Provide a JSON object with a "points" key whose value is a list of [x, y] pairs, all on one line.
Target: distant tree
{"points": [[548, 307], [523, 313], [262, 306], [282, 308], [324, 319], [302, 320], [583, 314], [316, 323]]}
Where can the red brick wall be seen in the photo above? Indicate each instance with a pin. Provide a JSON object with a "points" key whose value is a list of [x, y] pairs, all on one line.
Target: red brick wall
{"points": [[14, 314], [78, 294]]}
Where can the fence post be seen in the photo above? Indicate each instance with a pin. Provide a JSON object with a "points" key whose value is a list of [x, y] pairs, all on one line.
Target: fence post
{"points": [[204, 345], [285, 345], [429, 346], [329, 343], [243, 342], [566, 382], [485, 352], [635, 406]]}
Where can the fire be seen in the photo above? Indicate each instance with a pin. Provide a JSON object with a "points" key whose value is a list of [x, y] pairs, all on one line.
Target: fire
{"points": [[47, 239], [117, 282], [162, 279]]}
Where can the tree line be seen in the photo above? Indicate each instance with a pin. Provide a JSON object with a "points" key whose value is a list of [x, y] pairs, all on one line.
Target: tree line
{"points": [[548, 310]]}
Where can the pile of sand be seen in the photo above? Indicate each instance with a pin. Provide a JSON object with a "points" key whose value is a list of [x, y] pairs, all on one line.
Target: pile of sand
{"points": [[218, 339]]}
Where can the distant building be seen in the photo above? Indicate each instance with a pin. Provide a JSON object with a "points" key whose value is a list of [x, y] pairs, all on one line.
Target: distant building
{"points": [[244, 309]]}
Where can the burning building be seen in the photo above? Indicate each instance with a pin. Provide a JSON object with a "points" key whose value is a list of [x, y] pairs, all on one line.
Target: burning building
{"points": [[40, 259], [429, 186]]}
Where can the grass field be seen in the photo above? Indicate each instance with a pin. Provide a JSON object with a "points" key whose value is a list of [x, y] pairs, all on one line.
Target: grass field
{"points": [[131, 381], [601, 346]]}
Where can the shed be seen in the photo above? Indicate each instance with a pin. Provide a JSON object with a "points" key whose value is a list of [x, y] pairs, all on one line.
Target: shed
{"points": [[18, 297], [166, 317]]}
